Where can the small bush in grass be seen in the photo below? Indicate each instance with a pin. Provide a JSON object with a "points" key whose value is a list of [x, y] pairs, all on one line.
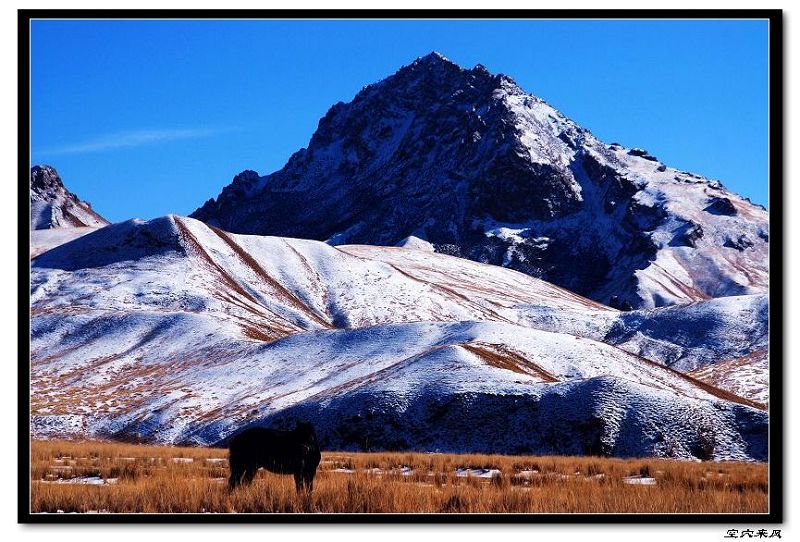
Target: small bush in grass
{"points": [[453, 504], [499, 480], [593, 469]]}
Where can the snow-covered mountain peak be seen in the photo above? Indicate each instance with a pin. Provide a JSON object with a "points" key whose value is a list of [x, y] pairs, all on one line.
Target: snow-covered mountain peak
{"points": [[53, 206], [479, 168], [434, 57]]}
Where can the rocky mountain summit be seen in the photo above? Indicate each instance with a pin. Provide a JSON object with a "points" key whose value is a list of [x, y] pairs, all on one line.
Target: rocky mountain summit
{"points": [[53, 206], [469, 164]]}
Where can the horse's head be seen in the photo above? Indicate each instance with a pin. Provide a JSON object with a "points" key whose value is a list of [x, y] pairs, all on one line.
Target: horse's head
{"points": [[306, 430], [307, 438]]}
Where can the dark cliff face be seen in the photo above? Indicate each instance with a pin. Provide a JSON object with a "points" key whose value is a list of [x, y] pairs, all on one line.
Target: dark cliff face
{"points": [[429, 144], [471, 163]]}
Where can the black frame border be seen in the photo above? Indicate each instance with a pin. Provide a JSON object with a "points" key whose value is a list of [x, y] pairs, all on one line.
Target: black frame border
{"points": [[776, 293]]}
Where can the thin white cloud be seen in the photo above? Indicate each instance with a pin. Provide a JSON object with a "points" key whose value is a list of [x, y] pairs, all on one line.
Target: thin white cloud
{"points": [[134, 138]]}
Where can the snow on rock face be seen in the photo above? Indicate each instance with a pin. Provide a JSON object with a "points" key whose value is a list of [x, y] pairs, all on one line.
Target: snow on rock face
{"points": [[696, 335], [415, 243], [481, 169], [174, 331], [52, 206]]}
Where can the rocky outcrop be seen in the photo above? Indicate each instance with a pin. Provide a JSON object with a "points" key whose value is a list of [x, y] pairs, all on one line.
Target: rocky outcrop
{"points": [[721, 206]]}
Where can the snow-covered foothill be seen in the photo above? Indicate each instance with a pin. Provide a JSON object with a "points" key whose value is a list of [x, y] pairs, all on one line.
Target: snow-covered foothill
{"points": [[173, 331]]}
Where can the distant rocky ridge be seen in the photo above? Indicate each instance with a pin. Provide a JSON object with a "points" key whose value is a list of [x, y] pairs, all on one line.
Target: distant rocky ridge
{"points": [[470, 164], [53, 206]]}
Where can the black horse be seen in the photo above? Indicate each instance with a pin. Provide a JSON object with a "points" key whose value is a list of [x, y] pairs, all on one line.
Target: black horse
{"points": [[284, 452]]}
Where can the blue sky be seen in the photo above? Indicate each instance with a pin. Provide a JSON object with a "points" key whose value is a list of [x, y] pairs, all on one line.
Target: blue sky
{"points": [[145, 118]]}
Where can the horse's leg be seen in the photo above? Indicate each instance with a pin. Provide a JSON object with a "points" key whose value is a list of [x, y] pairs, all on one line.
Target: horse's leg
{"points": [[250, 473], [309, 480], [236, 473], [303, 485], [304, 479]]}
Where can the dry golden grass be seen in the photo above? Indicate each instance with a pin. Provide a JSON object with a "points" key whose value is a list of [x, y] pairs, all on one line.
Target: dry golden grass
{"points": [[149, 479]]}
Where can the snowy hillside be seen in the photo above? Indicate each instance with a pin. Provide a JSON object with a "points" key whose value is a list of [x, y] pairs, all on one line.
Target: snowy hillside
{"points": [[467, 163], [52, 206], [684, 337], [277, 286], [172, 331], [43, 240], [746, 376]]}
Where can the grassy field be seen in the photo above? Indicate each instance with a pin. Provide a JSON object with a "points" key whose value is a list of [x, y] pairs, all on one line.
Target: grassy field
{"points": [[113, 477]]}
